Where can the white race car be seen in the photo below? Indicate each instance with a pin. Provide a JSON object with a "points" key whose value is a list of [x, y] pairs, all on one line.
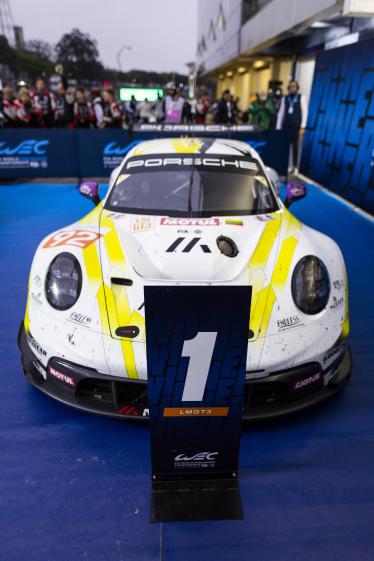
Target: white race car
{"points": [[186, 212]]}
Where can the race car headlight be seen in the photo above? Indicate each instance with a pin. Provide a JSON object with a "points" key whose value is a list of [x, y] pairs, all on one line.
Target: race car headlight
{"points": [[310, 285], [63, 282]]}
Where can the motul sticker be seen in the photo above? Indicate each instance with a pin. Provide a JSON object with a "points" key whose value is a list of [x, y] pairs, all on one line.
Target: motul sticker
{"points": [[190, 222], [77, 238], [61, 376]]}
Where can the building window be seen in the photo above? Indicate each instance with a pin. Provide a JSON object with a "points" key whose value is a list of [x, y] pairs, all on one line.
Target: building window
{"points": [[251, 8]]}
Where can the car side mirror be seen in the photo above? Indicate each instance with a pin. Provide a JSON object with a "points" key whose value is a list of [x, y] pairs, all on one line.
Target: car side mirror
{"points": [[90, 190], [294, 192]]}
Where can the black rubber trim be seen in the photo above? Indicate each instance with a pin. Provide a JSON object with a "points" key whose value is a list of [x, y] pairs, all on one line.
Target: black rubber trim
{"points": [[87, 377]]}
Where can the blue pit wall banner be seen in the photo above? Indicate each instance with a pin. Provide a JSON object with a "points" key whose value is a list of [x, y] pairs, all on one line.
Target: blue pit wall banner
{"points": [[338, 148], [86, 153]]}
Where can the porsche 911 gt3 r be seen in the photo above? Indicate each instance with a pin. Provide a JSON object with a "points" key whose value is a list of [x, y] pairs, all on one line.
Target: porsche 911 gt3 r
{"points": [[186, 212]]}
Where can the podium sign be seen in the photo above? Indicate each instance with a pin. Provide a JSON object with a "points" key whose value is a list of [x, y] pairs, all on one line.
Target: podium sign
{"points": [[197, 339]]}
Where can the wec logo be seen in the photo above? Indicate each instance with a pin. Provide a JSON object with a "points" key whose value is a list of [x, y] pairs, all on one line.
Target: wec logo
{"points": [[114, 149], [26, 148], [199, 457]]}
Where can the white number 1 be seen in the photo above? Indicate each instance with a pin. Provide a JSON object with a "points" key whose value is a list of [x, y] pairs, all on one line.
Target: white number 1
{"points": [[200, 351]]}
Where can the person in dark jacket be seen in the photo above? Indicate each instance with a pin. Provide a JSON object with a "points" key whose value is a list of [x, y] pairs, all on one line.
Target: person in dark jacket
{"points": [[44, 105], [292, 118], [226, 109], [84, 116], [63, 109]]}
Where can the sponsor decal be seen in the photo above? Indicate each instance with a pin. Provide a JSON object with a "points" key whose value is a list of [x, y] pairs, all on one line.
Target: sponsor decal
{"points": [[190, 222], [35, 345], [61, 376], [36, 298], [71, 338], [187, 248], [337, 302], [142, 224], [37, 281], [199, 460], [300, 384], [29, 153], [196, 411], [76, 238], [334, 351], [265, 217], [115, 215], [289, 322], [81, 319], [233, 222], [338, 284], [210, 162]]}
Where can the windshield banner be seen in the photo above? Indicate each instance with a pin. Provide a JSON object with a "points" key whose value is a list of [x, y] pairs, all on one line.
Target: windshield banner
{"points": [[202, 162]]}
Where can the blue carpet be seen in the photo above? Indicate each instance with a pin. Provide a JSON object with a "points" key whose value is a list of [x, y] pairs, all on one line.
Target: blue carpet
{"points": [[76, 487]]}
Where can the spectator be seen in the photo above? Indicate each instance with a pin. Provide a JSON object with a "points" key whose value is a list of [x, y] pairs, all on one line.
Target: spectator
{"points": [[292, 117], [112, 116], [159, 109], [173, 107], [63, 108], [44, 105], [262, 111], [145, 111], [84, 116], [9, 109], [226, 109], [130, 108], [25, 110], [97, 106]]}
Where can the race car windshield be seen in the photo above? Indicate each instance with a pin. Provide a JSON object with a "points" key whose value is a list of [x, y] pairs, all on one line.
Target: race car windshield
{"points": [[193, 190]]}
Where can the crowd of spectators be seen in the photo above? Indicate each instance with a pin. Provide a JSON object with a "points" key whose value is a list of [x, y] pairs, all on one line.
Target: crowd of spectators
{"points": [[76, 107]]}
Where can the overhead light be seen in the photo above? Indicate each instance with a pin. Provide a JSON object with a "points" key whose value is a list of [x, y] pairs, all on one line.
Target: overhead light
{"points": [[229, 73], [221, 76], [342, 41], [258, 63], [242, 69], [320, 24]]}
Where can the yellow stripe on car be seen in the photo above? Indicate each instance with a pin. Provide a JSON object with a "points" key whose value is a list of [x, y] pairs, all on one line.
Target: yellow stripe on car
{"points": [[186, 145], [264, 301], [117, 302]]}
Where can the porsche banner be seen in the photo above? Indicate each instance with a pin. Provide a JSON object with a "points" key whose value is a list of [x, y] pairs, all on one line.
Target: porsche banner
{"points": [[197, 339]]}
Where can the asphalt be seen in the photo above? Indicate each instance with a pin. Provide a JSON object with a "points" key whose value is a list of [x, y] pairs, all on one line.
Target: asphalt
{"points": [[76, 487]]}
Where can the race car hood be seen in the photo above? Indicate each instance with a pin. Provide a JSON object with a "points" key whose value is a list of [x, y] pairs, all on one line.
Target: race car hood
{"points": [[185, 249]]}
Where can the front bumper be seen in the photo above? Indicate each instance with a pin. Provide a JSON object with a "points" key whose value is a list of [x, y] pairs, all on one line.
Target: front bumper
{"points": [[279, 394]]}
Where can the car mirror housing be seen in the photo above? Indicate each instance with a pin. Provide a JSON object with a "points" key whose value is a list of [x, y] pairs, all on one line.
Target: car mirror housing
{"points": [[294, 192], [90, 190]]}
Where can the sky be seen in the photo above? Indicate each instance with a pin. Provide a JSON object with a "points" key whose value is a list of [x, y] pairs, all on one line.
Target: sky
{"points": [[162, 33]]}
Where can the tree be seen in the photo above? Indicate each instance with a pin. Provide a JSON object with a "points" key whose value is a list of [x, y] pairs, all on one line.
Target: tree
{"points": [[40, 47], [79, 55]]}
